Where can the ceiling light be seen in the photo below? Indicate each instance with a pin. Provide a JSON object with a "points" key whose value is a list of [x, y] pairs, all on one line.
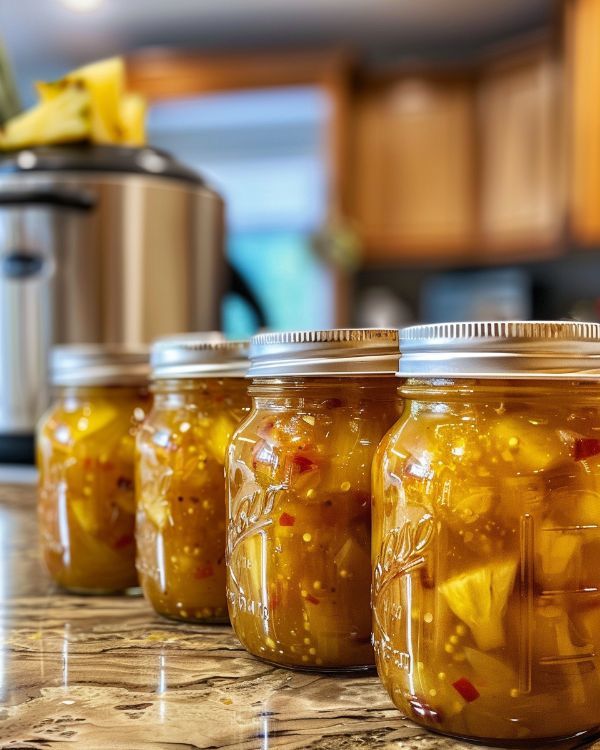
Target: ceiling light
{"points": [[82, 6]]}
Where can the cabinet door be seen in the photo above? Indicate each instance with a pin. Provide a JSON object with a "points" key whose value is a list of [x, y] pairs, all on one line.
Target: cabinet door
{"points": [[521, 159], [414, 178], [583, 81]]}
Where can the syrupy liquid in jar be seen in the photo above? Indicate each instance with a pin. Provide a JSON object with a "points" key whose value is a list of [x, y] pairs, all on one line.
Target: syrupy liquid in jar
{"points": [[486, 545], [86, 505], [181, 511], [300, 521]]}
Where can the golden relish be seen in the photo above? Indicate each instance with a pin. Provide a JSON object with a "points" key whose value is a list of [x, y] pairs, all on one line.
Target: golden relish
{"points": [[85, 457], [200, 397], [486, 533], [299, 496]]}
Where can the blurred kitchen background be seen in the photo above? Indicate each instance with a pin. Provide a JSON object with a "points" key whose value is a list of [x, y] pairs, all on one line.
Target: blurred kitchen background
{"points": [[382, 162]]}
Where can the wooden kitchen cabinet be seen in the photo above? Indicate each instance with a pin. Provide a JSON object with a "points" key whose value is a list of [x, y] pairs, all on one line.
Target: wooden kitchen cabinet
{"points": [[521, 154], [583, 105], [413, 175]]}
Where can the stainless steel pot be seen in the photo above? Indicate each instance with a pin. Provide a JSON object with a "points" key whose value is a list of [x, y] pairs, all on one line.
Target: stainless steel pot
{"points": [[97, 244]]}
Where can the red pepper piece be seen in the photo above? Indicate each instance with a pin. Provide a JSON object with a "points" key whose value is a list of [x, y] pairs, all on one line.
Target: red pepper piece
{"points": [[204, 571], [276, 596], [426, 576], [286, 520], [332, 403], [88, 463], [123, 541], [466, 689], [312, 599], [303, 463], [585, 447]]}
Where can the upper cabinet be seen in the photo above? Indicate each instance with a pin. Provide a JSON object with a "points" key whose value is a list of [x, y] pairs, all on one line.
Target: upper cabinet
{"points": [[583, 107], [462, 168], [413, 175], [521, 151]]}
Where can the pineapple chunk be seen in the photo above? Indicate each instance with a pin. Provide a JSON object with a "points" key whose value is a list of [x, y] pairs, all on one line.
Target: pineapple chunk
{"points": [[468, 503], [493, 676], [157, 509], [528, 447], [62, 119], [221, 431], [132, 120], [105, 81], [479, 599], [103, 415], [557, 552], [84, 510], [87, 104], [48, 90]]}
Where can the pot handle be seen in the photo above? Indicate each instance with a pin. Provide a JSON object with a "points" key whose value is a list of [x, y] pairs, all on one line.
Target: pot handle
{"points": [[21, 266], [239, 286], [40, 196]]}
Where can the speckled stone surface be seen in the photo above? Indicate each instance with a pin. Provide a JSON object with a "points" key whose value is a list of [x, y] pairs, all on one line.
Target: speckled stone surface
{"points": [[105, 673]]}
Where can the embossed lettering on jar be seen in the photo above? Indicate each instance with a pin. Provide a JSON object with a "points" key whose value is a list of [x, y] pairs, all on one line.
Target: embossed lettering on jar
{"points": [[200, 397], [486, 533], [85, 457], [299, 494]]}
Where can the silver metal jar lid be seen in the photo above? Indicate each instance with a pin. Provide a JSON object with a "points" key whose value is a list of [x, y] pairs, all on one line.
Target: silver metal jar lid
{"points": [[99, 364], [337, 352], [505, 349], [198, 355]]}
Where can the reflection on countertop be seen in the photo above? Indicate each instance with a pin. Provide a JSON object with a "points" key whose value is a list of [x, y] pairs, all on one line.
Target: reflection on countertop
{"points": [[17, 474], [105, 672]]}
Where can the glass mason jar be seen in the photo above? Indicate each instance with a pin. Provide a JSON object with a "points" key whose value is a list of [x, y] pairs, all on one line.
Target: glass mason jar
{"points": [[486, 532], [200, 397], [299, 494], [85, 457]]}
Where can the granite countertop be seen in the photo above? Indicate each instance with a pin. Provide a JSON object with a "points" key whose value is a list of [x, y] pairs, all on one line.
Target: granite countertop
{"points": [[106, 673]]}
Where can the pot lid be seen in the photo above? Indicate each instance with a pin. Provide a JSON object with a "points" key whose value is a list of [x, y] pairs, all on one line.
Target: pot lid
{"points": [[147, 161]]}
